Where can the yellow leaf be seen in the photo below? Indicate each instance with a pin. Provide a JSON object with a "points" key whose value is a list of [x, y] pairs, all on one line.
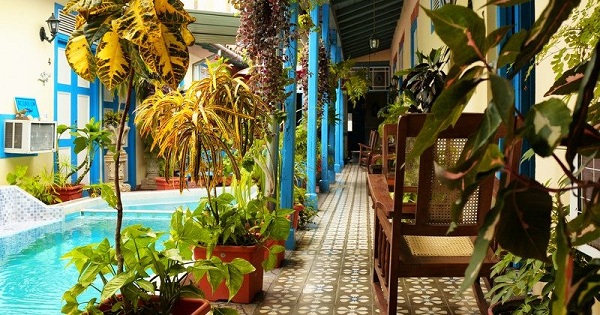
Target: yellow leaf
{"points": [[139, 24], [112, 61], [80, 58], [169, 57]]}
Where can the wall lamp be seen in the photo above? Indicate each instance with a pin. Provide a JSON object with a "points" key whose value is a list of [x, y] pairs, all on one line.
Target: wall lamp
{"points": [[53, 26]]}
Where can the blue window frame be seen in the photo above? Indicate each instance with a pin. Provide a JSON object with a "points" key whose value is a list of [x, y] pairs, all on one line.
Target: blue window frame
{"points": [[521, 16]]}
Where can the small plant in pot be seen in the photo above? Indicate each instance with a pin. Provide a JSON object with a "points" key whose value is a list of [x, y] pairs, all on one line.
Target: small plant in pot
{"points": [[89, 140]]}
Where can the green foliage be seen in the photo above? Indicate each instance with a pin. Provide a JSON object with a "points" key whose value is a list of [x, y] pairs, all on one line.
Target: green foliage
{"points": [[391, 112], [354, 82], [37, 186], [307, 216], [425, 81], [520, 219], [147, 270], [88, 139], [241, 219], [112, 118], [569, 49]]}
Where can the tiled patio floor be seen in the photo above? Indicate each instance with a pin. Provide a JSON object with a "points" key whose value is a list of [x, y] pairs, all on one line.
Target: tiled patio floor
{"points": [[329, 271]]}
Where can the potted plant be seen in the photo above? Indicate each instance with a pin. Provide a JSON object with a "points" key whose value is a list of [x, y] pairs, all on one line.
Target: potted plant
{"points": [[153, 280], [218, 117], [88, 139]]}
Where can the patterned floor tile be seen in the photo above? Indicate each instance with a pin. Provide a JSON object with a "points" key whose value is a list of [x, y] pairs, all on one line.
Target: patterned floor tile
{"points": [[329, 272]]}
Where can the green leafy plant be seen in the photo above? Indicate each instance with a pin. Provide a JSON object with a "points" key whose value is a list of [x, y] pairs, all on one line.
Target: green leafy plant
{"points": [[307, 216], [147, 269], [425, 81], [354, 81], [521, 218], [38, 186], [88, 139], [112, 118]]}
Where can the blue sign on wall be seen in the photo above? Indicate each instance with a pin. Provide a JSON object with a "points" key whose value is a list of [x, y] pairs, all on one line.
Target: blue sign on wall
{"points": [[27, 106]]}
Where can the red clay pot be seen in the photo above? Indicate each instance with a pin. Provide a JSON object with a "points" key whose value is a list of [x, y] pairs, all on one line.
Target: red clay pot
{"points": [[253, 281], [162, 184], [68, 193], [297, 209], [184, 306]]}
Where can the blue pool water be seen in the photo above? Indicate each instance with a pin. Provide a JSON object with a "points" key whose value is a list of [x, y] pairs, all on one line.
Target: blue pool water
{"points": [[34, 278]]}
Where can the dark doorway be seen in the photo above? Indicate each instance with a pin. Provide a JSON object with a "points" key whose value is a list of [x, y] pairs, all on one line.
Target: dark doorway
{"points": [[364, 118]]}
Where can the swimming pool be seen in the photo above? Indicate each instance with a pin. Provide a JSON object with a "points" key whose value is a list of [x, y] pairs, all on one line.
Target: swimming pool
{"points": [[33, 278]]}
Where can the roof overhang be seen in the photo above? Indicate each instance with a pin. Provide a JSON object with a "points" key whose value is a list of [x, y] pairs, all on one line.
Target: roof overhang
{"points": [[360, 20], [214, 27]]}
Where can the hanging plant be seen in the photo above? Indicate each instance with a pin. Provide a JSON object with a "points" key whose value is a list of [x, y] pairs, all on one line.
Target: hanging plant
{"points": [[264, 29], [354, 82]]}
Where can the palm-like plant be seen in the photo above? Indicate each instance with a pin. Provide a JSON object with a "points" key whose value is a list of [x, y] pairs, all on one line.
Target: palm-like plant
{"points": [[218, 115], [425, 81]]}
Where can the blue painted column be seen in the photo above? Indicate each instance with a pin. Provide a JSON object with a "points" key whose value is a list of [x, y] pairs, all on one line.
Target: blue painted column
{"points": [[289, 130], [324, 184], [311, 130], [339, 127]]}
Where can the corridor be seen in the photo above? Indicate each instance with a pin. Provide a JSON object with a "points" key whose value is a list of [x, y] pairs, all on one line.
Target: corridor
{"points": [[329, 272]]}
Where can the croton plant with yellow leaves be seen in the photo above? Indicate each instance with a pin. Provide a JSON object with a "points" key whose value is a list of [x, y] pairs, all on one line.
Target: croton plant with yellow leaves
{"points": [[127, 44]]}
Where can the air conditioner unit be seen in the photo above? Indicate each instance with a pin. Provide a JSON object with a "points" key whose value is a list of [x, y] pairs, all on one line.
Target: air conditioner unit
{"points": [[28, 136]]}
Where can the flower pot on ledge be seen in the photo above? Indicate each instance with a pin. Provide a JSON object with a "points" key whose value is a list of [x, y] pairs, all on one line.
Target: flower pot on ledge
{"points": [[163, 184], [253, 281], [69, 192]]}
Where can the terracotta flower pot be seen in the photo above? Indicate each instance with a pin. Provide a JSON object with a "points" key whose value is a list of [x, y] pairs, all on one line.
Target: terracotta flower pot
{"points": [[253, 281], [70, 192], [163, 184], [297, 209], [184, 306]]}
